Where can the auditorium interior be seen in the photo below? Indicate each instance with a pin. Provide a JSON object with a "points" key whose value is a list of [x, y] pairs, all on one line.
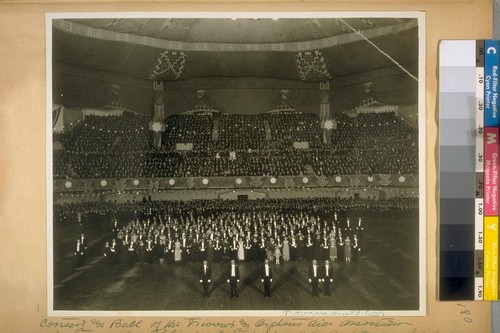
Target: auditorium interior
{"points": [[180, 140]]}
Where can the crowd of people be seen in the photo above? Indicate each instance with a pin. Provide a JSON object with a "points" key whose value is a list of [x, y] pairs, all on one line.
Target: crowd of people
{"points": [[270, 231], [104, 134], [67, 212], [290, 127], [214, 230], [241, 132], [121, 146], [188, 128]]}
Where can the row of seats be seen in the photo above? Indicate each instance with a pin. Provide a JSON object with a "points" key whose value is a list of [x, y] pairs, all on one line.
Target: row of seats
{"points": [[121, 146]]}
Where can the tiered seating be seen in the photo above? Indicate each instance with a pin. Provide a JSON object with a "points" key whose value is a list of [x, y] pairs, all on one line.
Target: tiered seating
{"points": [[290, 127], [188, 128], [377, 143], [120, 146], [241, 132]]}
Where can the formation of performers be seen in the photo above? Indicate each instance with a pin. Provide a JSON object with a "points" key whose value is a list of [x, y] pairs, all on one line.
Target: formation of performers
{"points": [[269, 232], [216, 230], [235, 236], [239, 238], [80, 249], [317, 274]]}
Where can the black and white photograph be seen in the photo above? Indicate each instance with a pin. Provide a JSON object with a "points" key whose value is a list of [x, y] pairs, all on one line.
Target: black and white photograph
{"points": [[236, 163]]}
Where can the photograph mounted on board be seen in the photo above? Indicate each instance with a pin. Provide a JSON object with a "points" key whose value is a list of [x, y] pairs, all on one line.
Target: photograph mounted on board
{"points": [[236, 163]]}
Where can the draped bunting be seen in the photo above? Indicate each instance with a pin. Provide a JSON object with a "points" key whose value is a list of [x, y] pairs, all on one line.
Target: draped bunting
{"points": [[157, 127], [154, 185], [324, 112], [120, 185], [159, 114], [87, 186], [321, 180], [256, 181], [312, 66], [182, 183], [57, 118], [78, 29], [169, 64]]}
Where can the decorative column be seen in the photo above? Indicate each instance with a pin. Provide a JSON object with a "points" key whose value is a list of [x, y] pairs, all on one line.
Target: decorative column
{"points": [[157, 124], [159, 105], [327, 124]]}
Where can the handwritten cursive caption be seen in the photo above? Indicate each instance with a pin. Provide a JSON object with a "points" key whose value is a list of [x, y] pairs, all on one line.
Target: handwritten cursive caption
{"points": [[198, 324]]}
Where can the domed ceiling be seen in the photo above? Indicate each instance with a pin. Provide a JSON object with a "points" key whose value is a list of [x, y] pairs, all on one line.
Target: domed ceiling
{"points": [[193, 52], [177, 48]]}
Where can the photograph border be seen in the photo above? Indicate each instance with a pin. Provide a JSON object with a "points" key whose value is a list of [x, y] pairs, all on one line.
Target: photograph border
{"points": [[420, 16]]}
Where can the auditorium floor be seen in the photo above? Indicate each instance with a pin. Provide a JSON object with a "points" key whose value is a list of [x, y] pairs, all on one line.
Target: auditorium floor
{"points": [[385, 278]]}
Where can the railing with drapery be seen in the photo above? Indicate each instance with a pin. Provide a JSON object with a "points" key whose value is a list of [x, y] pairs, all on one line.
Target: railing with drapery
{"points": [[89, 186]]}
